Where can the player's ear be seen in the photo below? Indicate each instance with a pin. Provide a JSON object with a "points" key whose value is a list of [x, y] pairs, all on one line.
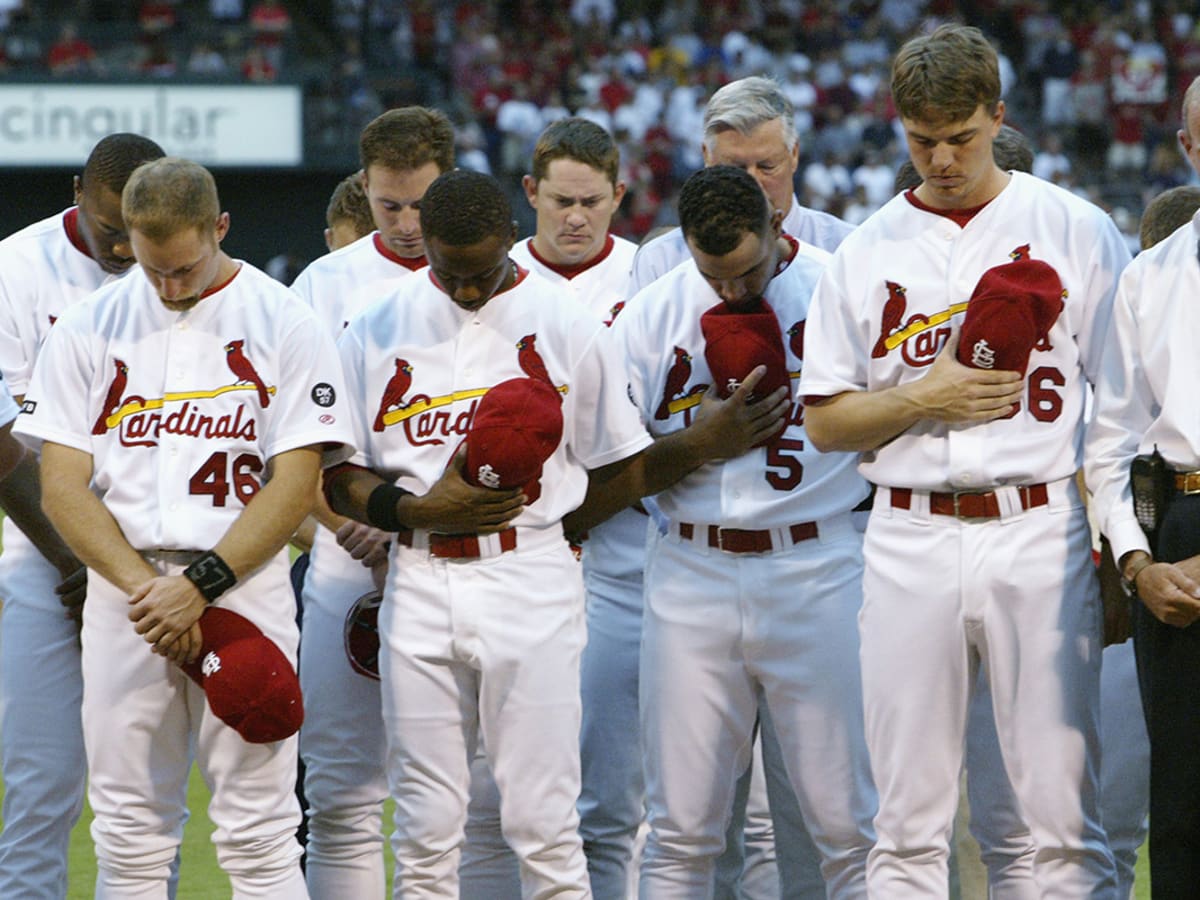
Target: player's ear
{"points": [[512, 234], [78, 184], [329, 239], [530, 186], [222, 228], [776, 222], [618, 193]]}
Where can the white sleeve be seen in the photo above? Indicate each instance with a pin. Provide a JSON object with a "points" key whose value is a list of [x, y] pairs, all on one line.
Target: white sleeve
{"points": [[350, 350], [606, 426], [835, 354], [57, 401], [1124, 410]]}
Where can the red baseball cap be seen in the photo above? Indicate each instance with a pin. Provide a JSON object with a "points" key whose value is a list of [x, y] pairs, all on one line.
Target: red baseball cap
{"points": [[517, 427], [249, 683], [736, 342], [1011, 311]]}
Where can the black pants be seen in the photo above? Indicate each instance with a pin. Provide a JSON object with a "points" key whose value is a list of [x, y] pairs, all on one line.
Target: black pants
{"points": [[1168, 661]]}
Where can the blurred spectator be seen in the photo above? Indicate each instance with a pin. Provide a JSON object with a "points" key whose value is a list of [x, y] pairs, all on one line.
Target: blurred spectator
{"points": [[256, 67], [1089, 101], [858, 207], [158, 61], [824, 179], [270, 23], [1059, 64], [470, 148], [1127, 152], [875, 177], [156, 17], [1050, 162], [206, 60], [226, 11], [70, 54], [519, 121]]}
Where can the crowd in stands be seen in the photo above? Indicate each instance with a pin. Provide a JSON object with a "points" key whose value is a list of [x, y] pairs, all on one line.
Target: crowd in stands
{"points": [[1093, 84]]}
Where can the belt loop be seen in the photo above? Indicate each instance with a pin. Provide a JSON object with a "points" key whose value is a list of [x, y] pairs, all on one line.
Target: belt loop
{"points": [[1010, 500]]}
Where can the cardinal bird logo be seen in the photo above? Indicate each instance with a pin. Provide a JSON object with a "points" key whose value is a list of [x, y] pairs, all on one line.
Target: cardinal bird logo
{"points": [[677, 378], [393, 394], [612, 313], [893, 312], [242, 368], [530, 360], [1021, 252], [112, 400], [796, 340]]}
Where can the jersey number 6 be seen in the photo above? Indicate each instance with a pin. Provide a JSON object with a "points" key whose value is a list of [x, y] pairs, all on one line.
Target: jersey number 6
{"points": [[211, 477]]}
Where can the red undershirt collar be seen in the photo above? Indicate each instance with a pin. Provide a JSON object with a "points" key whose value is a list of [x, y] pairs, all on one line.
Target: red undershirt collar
{"points": [[412, 263], [569, 272], [960, 217]]}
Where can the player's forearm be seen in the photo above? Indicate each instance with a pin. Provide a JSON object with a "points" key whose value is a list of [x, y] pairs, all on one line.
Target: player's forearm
{"points": [[323, 514], [275, 512], [21, 499], [611, 489], [84, 523], [860, 420]]}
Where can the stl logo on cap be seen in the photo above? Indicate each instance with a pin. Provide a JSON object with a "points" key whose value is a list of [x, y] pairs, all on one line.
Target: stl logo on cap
{"points": [[1010, 314], [250, 685], [516, 428]]}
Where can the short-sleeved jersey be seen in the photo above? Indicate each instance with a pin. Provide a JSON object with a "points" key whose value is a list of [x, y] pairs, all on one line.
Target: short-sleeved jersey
{"points": [[8, 406], [1146, 395], [182, 412], [615, 548], [898, 288], [417, 365], [601, 286], [42, 273], [340, 284], [818, 232], [777, 486]]}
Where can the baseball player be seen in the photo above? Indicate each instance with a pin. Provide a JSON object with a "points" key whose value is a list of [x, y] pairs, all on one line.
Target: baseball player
{"points": [[750, 123], [182, 415], [1142, 411], [978, 546], [575, 188], [348, 215], [44, 269], [724, 622], [402, 152], [482, 621]]}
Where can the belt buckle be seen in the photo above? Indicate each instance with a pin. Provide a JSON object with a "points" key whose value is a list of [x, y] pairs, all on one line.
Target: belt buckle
{"points": [[959, 514]]}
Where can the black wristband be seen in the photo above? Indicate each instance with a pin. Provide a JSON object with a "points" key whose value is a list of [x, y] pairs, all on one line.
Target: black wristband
{"points": [[211, 575], [381, 507]]}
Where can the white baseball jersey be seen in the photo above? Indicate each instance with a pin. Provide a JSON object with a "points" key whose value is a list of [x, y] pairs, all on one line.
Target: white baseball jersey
{"points": [[340, 284], [615, 548], [602, 285], [875, 326], [767, 487], [455, 356], [1146, 394], [818, 233], [182, 411]]}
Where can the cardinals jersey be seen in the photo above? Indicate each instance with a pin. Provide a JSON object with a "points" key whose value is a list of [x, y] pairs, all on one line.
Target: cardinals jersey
{"points": [[340, 284], [43, 271], [602, 285], [1146, 395], [818, 232], [898, 288], [776, 486], [615, 548], [182, 412], [417, 364]]}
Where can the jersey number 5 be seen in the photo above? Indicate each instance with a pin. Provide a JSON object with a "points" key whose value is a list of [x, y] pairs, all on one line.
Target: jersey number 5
{"points": [[211, 477], [791, 469]]}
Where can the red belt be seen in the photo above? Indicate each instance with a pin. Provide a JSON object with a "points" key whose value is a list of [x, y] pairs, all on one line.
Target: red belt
{"points": [[971, 504], [741, 540], [460, 546]]}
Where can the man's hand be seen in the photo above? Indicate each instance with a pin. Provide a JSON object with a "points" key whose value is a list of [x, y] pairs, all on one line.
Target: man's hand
{"points": [[164, 610], [187, 648], [72, 591], [1170, 593], [453, 506], [366, 544], [728, 428], [951, 392]]}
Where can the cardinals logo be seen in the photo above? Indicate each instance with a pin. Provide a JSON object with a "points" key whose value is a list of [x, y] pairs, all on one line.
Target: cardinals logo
{"points": [[677, 378], [112, 400], [530, 360], [795, 336], [244, 370], [1022, 252], [893, 313], [393, 394], [612, 313]]}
